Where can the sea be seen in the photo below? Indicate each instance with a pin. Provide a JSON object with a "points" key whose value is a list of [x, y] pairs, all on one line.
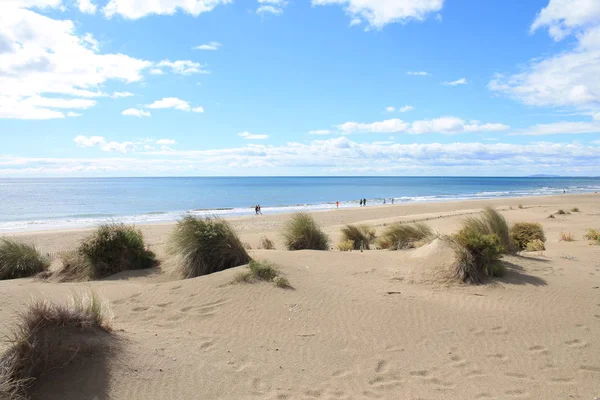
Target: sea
{"points": [[63, 203]]}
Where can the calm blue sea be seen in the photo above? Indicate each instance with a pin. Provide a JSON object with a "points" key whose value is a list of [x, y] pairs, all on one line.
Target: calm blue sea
{"points": [[63, 203]]}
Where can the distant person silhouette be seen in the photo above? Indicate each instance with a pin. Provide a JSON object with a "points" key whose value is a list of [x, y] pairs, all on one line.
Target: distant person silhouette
{"points": [[360, 202], [365, 202], [392, 200], [337, 204]]}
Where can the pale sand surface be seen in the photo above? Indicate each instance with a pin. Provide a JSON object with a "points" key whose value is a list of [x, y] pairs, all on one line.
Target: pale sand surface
{"points": [[377, 324]]}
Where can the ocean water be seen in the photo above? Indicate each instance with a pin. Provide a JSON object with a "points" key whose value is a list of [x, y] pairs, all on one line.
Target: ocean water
{"points": [[32, 204]]}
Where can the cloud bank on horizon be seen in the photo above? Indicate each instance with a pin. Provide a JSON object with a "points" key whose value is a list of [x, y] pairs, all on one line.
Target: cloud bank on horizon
{"points": [[398, 87]]}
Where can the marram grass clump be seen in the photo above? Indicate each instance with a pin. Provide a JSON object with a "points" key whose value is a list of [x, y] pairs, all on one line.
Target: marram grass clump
{"points": [[266, 243], [361, 235], [20, 260], [593, 234], [346, 245], [49, 337], [491, 222], [262, 271], [477, 255], [405, 236], [523, 233], [301, 232], [202, 246], [535, 245], [566, 237]]}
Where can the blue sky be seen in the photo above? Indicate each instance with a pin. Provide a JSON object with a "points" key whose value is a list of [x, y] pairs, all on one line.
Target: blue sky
{"points": [[274, 87]]}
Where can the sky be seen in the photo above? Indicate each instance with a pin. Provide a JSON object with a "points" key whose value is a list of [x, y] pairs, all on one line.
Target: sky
{"points": [[299, 87]]}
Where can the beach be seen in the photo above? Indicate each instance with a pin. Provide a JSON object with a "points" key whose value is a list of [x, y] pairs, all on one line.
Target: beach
{"points": [[376, 324]]}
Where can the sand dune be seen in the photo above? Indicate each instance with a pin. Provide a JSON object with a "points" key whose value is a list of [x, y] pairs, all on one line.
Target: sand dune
{"points": [[357, 325]]}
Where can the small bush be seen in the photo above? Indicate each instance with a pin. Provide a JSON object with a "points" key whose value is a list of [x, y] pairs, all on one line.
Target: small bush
{"points": [[346, 245], [49, 337], [522, 233], [521, 206], [282, 282], [535, 245], [20, 260], [551, 216], [202, 246], [491, 222], [360, 236], [561, 212], [114, 248], [266, 243], [262, 271], [477, 254], [404, 236], [575, 209], [302, 232], [566, 237], [592, 234]]}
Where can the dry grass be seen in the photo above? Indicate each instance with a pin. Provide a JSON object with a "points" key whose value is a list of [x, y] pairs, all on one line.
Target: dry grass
{"points": [[521, 206], [575, 209], [361, 235], [262, 271], [266, 243], [477, 255], [561, 212], [49, 337], [551, 216], [282, 282], [405, 236], [20, 260], [535, 245], [346, 245], [201, 246], [75, 267], [592, 234], [566, 237], [523, 233], [491, 222], [301, 232]]}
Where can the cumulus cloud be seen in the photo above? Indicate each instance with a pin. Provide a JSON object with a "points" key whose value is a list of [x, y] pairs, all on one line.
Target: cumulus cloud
{"points": [[180, 67], [117, 95], [271, 6], [406, 109], [198, 109], [166, 142], [170, 102], [91, 141], [86, 6], [72, 114], [390, 109], [378, 13], [418, 73], [252, 136], [134, 112], [444, 125], [320, 132], [461, 81], [563, 17], [561, 128], [134, 9], [208, 46], [122, 147]]}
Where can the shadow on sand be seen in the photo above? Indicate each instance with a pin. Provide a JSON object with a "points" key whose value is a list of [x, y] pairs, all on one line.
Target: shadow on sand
{"points": [[515, 275]]}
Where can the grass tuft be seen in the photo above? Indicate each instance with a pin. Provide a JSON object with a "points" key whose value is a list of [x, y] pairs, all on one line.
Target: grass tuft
{"points": [[561, 212], [592, 234], [523, 233], [361, 235], [491, 222], [302, 232], [566, 237], [282, 282], [262, 271], [521, 206], [20, 260], [477, 255], [575, 209], [551, 216], [75, 267], [266, 243], [535, 245], [346, 245], [50, 336], [202, 246], [405, 236]]}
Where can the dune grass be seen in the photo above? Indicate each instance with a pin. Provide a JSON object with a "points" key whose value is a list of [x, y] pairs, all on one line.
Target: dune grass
{"points": [[262, 271], [551, 216], [405, 236], [50, 336], [521, 206], [593, 234], [561, 212], [202, 246], [301, 232], [361, 235], [346, 245], [566, 237], [266, 243], [523, 233], [535, 245], [76, 267], [575, 209], [20, 260], [491, 222], [477, 254]]}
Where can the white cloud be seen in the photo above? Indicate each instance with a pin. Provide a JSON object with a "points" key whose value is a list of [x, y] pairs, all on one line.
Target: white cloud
{"points": [[73, 114], [134, 112], [117, 95], [198, 109], [86, 6], [170, 102], [208, 46], [561, 128], [43, 56], [390, 109], [418, 73], [124, 147], [91, 141], [444, 125], [156, 71], [134, 9], [166, 142], [355, 21], [269, 10], [406, 109], [378, 13], [252, 136], [320, 132], [181, 67], [563, 17], [102, 143], [461, 81]]}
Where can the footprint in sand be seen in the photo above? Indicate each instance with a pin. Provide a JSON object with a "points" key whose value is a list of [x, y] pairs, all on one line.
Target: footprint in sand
{"points": [[576, 343], [499, 356], [517, 375], [517, 393], [588, 368], [140, 308], [538, 350], [500, 330], [562, 381]]}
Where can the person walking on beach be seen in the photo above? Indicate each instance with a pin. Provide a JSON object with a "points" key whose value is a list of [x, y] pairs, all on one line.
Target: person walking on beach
{"points": [[259, 210], [337, 204], [360, 202], [364, 202], [256, 209], [392, 200], [384, 200]]}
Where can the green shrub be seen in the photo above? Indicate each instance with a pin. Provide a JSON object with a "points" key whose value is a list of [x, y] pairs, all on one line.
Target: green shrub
{"points": [[535, 245], [405, 236], [522, 233], [491, 222], [75, 267], [282, 282], [302, 232], [592, 234], [359, 235], [478, 255], [202, 246], [561, 212], [575, 209], [261, 271], [20, 260], [49, 337], [114, 248], [266, 243], [346, 245], [551, 216]]}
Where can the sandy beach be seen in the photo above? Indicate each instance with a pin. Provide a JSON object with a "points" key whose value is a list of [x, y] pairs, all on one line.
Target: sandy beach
{"points": [[357, 325]]}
